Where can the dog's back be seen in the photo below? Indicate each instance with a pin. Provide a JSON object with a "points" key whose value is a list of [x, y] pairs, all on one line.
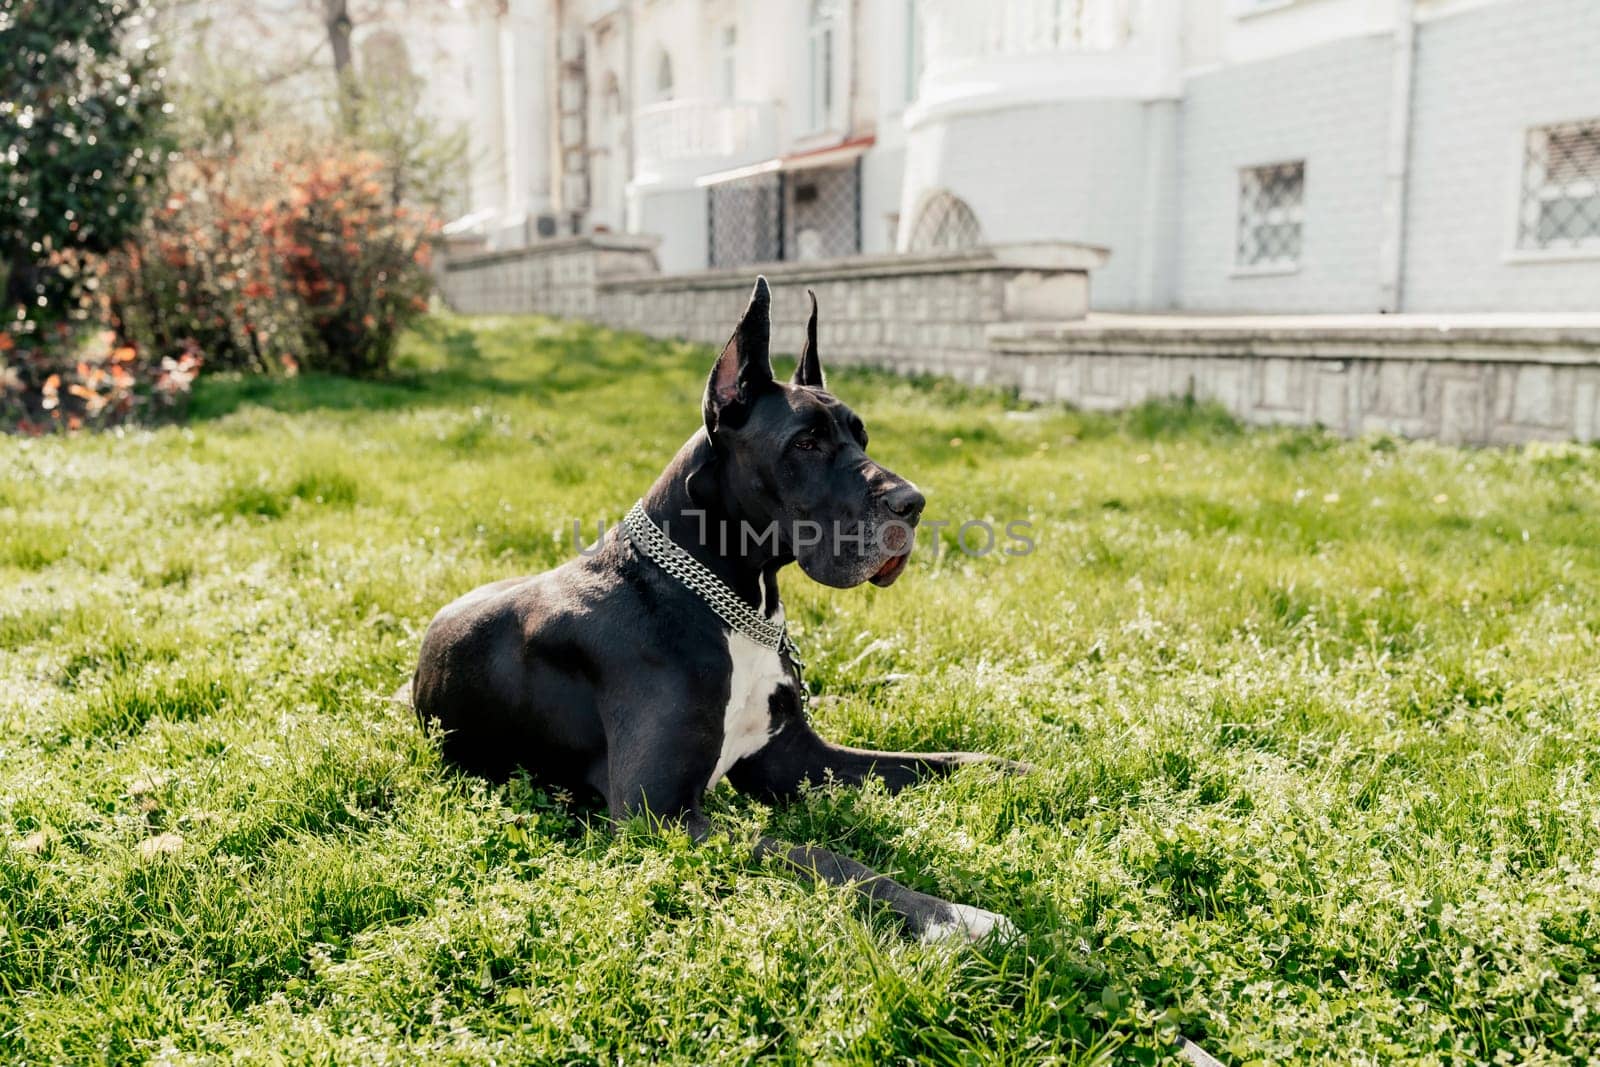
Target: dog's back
{"points": [[499, 702]]}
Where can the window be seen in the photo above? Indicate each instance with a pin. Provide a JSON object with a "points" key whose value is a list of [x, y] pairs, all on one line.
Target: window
{"points": [[664, 78], [384, 59], [1561, 188], [945, 224], [1271, 211], [820, 42], [727, 65]]}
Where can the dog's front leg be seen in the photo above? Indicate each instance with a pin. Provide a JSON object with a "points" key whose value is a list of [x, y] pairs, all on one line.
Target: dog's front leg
{"points": [[928, 918], [639, 782], [796, 755]]}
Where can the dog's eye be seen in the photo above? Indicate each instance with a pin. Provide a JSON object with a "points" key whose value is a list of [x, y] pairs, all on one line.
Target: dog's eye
{"points": [[805, 443]]}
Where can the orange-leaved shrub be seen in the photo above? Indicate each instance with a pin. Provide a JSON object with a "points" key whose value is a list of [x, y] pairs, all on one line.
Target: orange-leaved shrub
{"points": [[354, 261], [261, 260], [267, 265], [79, 380]]}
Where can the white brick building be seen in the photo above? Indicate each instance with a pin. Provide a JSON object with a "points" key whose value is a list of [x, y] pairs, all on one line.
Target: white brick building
{"points": [[1234, 155]]}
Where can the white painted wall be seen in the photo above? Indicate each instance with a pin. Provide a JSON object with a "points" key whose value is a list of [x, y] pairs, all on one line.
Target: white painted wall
{"points": [[1484, 76], [1254, 30], [1138, 149], [1102, 170], [1327, 106]]}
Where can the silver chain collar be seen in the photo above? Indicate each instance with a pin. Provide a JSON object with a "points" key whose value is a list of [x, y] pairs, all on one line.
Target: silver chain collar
{"points": [[649, 539]]}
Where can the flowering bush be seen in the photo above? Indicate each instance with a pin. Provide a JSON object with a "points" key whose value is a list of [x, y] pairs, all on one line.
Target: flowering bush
{"points": [[103, 383], [272, 266], [255, 258], [354, 262], [192, 277]]}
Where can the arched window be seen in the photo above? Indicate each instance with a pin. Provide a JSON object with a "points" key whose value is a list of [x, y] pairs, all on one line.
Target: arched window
{"points": [[819, 37], [608, 176], [945, 224], [385, 58], [664, 78]]}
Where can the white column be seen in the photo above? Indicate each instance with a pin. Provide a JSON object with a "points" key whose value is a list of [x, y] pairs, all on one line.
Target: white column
{"points": [[1397, 160], [528, 56], [486, 153]]}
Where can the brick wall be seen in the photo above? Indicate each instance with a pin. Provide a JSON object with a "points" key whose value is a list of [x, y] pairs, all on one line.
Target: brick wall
{"points": [[1483, 77], [1327, 105], [1099, 171]]}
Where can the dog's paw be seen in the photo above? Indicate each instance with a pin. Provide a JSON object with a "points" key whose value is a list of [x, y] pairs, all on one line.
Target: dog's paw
{"points": [[968, 925], [996, 763]]}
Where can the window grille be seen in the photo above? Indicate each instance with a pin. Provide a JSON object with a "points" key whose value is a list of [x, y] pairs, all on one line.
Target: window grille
{"points": [[745, 221], [1561, 187], [1271, 213], [946, 223], [823, 213], [802, 214]]}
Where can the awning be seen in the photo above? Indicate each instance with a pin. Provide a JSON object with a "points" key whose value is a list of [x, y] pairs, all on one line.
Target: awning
{"points": [[829, 156]]}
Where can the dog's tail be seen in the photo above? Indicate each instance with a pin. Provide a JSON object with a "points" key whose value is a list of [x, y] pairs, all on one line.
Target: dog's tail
{"points": [[402, 695]]}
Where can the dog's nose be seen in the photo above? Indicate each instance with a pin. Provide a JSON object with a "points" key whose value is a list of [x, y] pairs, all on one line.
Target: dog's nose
{"points": [[904, 501]]}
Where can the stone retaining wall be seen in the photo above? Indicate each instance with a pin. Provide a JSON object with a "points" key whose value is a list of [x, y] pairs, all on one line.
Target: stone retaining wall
{"points": [[915, 313], [1015, 316], [918, 314], [1486, 382], [558, 277]]}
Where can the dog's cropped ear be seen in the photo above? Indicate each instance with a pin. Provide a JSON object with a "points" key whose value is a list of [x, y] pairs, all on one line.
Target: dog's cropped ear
{"points": [[744, 365], [809, 370]]}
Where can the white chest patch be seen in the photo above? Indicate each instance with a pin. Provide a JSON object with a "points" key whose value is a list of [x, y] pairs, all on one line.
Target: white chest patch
{"points": [[747, 720]]}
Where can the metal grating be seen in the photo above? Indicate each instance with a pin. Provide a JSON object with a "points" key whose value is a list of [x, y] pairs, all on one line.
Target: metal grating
{"points": [[744, 221], [1561, 187], [946, 224], [822, 216], [1271, 211], [802, 214]]}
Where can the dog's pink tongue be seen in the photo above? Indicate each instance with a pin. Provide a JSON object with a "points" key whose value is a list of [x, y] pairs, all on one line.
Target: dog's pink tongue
{"points": [[890, 567]]}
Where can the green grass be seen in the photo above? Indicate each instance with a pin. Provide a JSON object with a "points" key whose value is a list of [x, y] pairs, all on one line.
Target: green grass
{"points": [[1315, 722]]}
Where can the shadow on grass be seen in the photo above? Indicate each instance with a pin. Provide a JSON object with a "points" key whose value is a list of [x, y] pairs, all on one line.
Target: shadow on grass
{"points": [[447, 361], [462, 372]]}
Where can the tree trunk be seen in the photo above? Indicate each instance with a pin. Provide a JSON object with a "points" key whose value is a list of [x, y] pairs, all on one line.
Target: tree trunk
{"points": [[336, 16], [18, 276]]}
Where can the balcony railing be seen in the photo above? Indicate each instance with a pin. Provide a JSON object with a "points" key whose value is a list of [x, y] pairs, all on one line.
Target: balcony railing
{"points": [[1012, 53], [687, 138], [958, 32]]}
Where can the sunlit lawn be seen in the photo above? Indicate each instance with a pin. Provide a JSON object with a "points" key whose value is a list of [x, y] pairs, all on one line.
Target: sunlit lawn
{"points": [[1315, 724]]}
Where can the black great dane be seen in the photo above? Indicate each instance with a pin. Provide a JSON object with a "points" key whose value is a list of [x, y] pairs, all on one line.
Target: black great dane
{"points": [[655, 664]]}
